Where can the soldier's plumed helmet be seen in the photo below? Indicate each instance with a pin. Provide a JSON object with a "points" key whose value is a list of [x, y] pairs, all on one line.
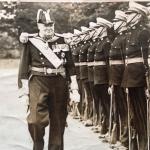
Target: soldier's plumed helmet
{"points": [[93, 25], [120, 16], [44, 17], [137, 8], [85, 29], [76, 32], [104, 22]]}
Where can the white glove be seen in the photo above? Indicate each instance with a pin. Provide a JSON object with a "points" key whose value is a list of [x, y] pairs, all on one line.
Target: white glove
{"points": [[23, 94], [74, 96], [24, 37], [74, 84], [24, 90], [24, 100]]}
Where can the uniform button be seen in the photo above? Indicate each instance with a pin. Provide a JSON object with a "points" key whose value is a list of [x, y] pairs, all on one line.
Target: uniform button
{"points": [[41, 58], [126, 48], [128, 41], [43, 63], [126, 56], [40, 53]]}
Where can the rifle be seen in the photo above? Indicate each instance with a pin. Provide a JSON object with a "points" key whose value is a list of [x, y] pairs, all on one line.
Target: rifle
{"points": [[129, 127], [110, 113], [147, 97]]}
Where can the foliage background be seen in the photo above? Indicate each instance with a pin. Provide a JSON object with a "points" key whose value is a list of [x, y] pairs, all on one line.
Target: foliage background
{"points": [[67, 16]]}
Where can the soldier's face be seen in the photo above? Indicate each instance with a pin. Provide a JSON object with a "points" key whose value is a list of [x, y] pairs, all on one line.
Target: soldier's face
{"points": [[119, 24], [47, 31], [85, 37], [133, 18], [97, 32]]}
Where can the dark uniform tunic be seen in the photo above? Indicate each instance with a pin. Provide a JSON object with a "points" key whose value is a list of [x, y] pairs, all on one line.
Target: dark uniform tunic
{"points": [[101, 54], [83, 59], [134, 79], [48, 93], [136, 46], [101, 82], [75, 55], [116, 57], [90, 59], [117, 53]]}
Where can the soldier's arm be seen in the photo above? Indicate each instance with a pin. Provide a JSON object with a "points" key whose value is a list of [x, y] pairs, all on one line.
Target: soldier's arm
{"points": [[24, 65], [106, 48], [144, 43], [70, 66]]}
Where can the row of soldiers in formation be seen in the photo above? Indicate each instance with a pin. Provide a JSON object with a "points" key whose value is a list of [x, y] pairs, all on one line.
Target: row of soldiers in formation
{"points": [[112, 66]]}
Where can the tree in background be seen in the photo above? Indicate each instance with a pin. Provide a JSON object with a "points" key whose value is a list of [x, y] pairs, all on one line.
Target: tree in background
{"points": [[67, 16]]}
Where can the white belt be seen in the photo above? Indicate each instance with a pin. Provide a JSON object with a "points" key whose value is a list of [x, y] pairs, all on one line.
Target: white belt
{"points": [[116, 62], [48, 70], [77, 64], [99, 63], [90, 64], [133, 60], [83, 63]]}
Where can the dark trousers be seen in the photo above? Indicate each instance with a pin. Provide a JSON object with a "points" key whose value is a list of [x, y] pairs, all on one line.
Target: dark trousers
{"points": [[102, 105], [93, 109], [138, 120], [48, 104], [120, 116], [86, 99]]}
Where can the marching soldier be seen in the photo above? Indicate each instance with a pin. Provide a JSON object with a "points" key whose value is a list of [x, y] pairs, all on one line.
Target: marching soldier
{"points": [[116, 62], [101, 74], [134, 81], [47, 66]]}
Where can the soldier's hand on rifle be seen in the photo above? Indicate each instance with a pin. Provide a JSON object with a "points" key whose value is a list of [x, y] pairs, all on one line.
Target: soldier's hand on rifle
{"points": [[110, 90], [147, 93], [24, 37]]}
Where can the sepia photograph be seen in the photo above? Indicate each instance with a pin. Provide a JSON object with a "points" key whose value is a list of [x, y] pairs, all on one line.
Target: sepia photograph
{"points": [[74, 75]]}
